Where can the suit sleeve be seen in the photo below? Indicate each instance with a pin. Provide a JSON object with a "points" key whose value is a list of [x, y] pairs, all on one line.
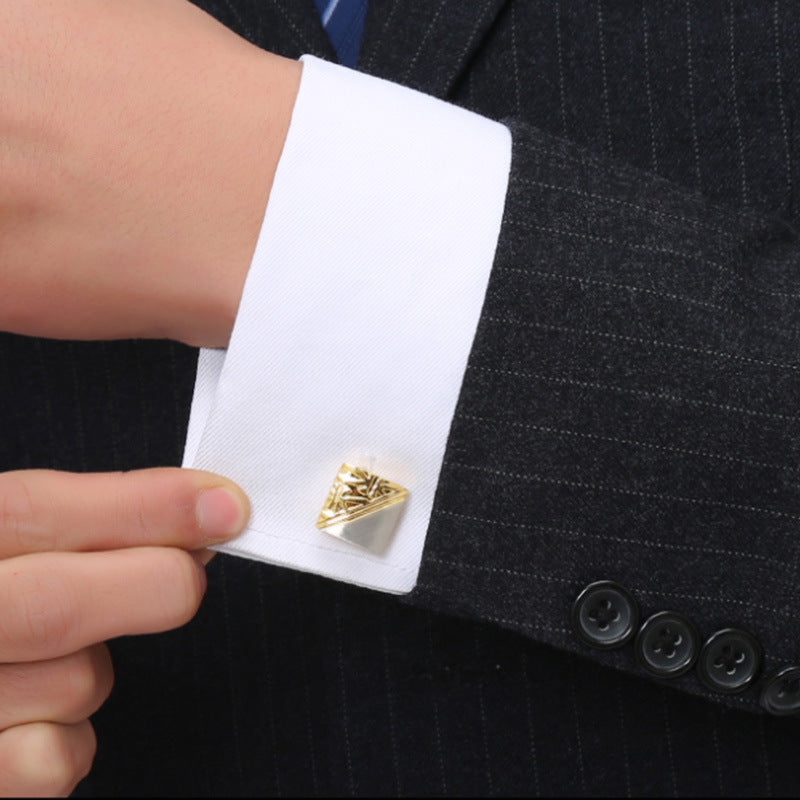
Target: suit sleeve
{"points": [[621, 406], [628, 413]]}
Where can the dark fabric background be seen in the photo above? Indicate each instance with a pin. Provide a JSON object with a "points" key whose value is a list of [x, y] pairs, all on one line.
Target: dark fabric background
{"points": [[290, 684]]}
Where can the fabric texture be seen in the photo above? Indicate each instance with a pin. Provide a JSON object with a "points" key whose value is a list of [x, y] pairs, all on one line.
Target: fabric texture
{"points": [[290, 684], [630, 404]]}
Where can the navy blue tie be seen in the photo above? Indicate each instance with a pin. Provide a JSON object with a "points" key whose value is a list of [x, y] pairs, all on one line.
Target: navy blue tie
{"points": [[343, 21]]}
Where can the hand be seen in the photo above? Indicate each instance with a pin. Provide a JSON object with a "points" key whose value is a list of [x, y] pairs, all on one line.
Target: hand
{"points": [[139, 143], [84, 558]]}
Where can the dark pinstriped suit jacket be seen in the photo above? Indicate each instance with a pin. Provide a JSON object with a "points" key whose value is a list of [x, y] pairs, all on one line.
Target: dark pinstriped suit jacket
{"points": [[629, 412]]}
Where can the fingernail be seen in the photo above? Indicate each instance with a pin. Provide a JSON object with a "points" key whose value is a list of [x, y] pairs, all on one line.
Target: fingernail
{"points": [[220, 514]]}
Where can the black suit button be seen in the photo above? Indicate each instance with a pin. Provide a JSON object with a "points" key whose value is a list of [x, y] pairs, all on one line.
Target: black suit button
{"points": [[605, 615], [781, 693], [729, 661], [666, 644]]}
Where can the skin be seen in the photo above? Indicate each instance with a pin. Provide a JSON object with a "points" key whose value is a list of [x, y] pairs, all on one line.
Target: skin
{"points": [[138, 145]]}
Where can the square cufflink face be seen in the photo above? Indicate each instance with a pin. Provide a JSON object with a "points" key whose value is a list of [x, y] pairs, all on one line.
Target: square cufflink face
{"points": [[362, 508]]}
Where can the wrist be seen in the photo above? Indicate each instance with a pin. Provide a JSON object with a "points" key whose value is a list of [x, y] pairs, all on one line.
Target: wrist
{"points": [[132, 196], [243, 160]]}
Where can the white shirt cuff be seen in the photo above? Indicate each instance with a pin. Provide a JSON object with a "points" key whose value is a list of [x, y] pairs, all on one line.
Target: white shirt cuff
{"points": [[356, 319]]}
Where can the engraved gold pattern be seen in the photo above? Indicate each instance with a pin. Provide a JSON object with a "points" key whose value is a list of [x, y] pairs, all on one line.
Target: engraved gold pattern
{"points": [[355, 493]]}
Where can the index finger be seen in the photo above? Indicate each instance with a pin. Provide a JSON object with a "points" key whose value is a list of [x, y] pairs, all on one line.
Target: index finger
{"points": [[44, 510]]}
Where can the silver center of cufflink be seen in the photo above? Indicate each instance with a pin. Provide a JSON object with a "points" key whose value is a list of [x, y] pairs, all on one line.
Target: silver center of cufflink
{"points": [[362, 508]]}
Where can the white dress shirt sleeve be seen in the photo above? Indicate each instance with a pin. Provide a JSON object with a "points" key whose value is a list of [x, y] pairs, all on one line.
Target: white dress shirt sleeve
{"points": [[356, 320]]}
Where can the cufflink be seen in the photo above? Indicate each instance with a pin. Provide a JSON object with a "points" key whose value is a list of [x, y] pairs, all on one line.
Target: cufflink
{"points": [[362, 508]]}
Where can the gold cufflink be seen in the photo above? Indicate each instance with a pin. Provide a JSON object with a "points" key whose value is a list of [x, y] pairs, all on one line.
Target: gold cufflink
{"points": [[362, 508]]}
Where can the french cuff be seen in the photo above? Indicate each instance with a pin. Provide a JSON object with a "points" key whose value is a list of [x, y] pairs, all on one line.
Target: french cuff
{"points": [[356, 320]]}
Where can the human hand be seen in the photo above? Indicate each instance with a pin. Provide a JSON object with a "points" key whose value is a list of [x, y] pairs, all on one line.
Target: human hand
{"points": [[140, 141], [84, 558]]}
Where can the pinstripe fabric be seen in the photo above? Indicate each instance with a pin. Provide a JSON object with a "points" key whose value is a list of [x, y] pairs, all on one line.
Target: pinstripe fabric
{"points": [[646, 331], [634, 373]]}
